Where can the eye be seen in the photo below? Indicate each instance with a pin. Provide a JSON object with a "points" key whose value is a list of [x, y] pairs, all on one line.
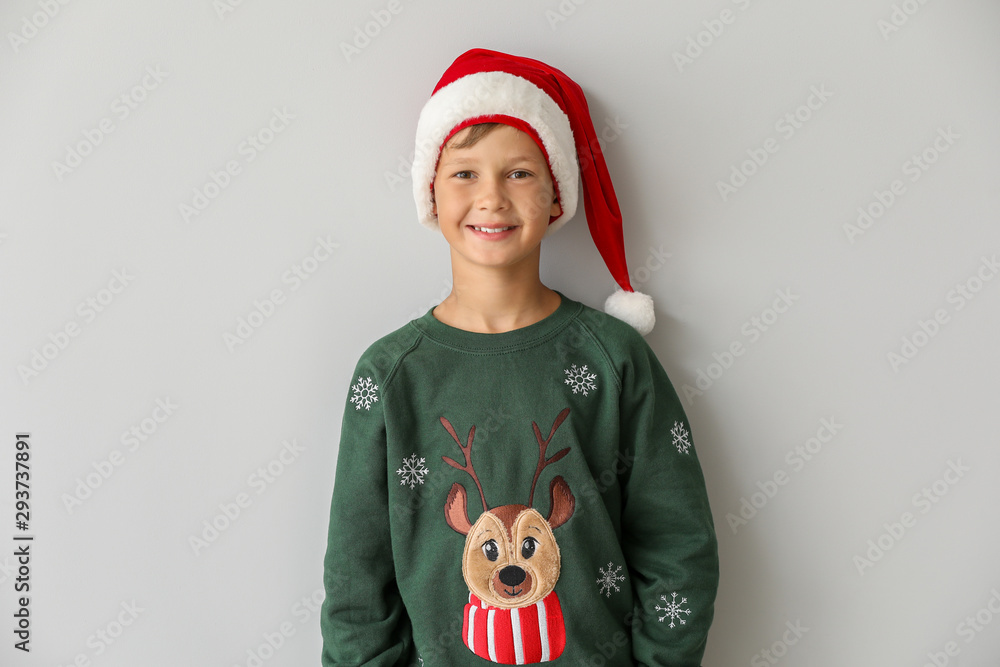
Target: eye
{"points": [[520, 174], [491, 551], [463, 174], [528, 547]]}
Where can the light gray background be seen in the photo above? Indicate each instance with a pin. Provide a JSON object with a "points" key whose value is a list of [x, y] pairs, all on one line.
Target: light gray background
{"points": [[329, 174]]}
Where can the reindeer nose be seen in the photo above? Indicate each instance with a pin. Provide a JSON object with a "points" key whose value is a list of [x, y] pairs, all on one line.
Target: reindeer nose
{"points": [[511, 575]]}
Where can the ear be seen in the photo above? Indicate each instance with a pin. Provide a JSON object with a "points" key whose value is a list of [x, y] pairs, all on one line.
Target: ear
{"points": [[556, 208], [456, 509], [563, 503]]}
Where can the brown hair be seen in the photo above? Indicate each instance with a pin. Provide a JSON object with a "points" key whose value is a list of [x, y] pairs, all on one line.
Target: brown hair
{"points": [[475, 133]]}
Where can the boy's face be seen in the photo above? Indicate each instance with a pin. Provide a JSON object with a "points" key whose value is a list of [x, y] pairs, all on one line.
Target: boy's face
{"points": [[502, 182]]}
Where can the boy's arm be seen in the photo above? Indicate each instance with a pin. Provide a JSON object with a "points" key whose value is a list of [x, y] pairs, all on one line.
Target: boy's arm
{"points": [[668, 536], [363, 620]]}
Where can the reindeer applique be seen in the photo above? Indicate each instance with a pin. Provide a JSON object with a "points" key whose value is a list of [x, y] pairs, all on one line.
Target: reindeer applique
{"points": [[511, 564]]}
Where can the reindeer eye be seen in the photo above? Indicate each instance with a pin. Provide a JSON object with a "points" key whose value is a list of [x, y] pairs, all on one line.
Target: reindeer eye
{"points": [[491, 551], [528, 547]]}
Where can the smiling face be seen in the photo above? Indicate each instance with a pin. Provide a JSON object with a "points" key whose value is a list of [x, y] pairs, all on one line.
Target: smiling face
{"points": [[494, 199], [511, 558]]}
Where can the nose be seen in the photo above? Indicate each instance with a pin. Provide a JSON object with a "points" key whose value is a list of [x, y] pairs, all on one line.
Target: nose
{"points": [[491, 196], [511, 575]]}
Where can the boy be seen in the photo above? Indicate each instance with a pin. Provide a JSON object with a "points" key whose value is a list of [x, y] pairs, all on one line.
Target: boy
{"points": [[516, 481]]}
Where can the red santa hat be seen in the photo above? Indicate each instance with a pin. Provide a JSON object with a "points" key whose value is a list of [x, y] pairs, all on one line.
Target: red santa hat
{"points": [[484, 86]]}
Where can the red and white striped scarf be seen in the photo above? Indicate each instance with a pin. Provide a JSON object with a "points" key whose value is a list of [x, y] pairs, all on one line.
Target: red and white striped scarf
{"points": [[519, 636]]}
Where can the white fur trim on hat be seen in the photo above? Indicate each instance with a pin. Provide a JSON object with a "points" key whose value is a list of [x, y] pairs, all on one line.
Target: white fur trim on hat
{"points": [[486, 93], [635, 308]]}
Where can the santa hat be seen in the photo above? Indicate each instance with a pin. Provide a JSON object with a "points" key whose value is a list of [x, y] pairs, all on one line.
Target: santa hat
{"points": [[484, 86]]}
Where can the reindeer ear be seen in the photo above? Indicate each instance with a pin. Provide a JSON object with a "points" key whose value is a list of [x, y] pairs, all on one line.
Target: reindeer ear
{"points": [[456, 509], [563, 503]]}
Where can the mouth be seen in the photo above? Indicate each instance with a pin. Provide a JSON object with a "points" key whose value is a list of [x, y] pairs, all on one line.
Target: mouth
{"points": [[492, 229], [512, 591], [492, 232]]}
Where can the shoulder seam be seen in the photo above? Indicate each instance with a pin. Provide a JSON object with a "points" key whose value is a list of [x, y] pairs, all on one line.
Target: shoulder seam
{"points": [[604, 351], [399, 359]]}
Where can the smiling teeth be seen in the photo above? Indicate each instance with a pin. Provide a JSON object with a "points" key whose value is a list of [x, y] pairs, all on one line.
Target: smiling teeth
{"points": [[492, 231]]}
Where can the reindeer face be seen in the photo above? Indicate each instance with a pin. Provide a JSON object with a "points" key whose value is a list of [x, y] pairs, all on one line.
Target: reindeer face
{"points": [[511, 558]]}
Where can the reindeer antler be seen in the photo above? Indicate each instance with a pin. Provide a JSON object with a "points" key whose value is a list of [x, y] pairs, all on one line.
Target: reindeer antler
{"points": [[467, 450], [542, 446]]}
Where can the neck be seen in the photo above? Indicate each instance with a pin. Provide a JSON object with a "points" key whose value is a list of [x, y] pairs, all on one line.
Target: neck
{"points": [[495, 299]]}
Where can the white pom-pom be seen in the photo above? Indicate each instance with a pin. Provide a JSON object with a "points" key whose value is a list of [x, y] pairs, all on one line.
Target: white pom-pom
{"points": [[635, 308]]}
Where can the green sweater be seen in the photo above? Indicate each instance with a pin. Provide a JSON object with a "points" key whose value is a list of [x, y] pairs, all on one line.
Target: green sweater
{"points": [[598, 546]]}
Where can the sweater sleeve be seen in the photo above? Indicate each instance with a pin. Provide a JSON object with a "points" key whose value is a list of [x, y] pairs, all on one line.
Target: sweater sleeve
{"points": [[668, 535], [363, 620]]}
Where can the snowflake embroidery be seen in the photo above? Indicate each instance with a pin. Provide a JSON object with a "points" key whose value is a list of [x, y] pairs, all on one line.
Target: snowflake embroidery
{"points": [[682, 439], [580, 380], [609, 579], [364, 393], [673, 609], [412, 472]]}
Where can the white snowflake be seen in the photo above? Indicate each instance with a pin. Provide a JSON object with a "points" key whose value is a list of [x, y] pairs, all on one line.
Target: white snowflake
{"points": [[412, 472], [364, 393], [682, 439], [673, 609], [579, 379], [609, 579]]}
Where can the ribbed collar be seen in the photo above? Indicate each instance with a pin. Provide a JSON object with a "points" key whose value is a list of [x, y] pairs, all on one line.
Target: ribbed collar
{"points": [[474, 341]]}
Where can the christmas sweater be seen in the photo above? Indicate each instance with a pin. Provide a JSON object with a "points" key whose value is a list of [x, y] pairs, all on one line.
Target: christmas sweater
{"points": [[515, 498]]}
